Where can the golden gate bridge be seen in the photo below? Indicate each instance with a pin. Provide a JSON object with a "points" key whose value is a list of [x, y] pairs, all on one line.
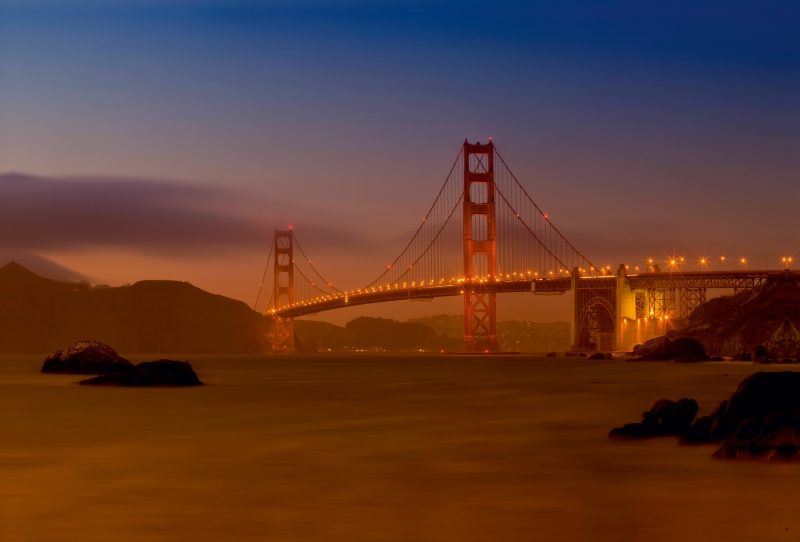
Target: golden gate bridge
{"points": [[482, 236]]}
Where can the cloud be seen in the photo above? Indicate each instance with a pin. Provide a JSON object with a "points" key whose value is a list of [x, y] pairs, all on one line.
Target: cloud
{"points": [[45, 214]]}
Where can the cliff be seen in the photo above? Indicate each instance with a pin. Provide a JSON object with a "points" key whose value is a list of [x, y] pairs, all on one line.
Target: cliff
{"points": [[767, 316]]}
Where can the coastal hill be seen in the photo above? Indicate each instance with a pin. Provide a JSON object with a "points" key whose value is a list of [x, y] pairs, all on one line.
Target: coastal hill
{"points": [[766, 317], [152, 316], [431, 333]]}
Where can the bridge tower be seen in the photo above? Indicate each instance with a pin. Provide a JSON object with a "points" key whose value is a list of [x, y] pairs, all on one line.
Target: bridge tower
{"points": [[284, 289], [480, 250]]}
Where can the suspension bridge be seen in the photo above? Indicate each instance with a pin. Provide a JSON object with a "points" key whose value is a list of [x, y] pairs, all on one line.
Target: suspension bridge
{"points": [[484, 235]]}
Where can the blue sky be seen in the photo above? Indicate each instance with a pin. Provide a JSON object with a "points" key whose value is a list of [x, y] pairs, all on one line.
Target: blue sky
{"points": [[673, 122]]}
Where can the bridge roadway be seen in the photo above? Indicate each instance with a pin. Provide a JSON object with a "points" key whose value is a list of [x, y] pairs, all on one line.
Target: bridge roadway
{"points": [[737, 280]]}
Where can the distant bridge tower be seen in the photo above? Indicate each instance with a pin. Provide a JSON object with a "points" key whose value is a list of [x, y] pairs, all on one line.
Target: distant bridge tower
{"points": [[284, 289], [480, 250]]}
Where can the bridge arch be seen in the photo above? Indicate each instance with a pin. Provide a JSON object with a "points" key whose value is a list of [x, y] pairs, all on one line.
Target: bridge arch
{"points": [[598, 315]]}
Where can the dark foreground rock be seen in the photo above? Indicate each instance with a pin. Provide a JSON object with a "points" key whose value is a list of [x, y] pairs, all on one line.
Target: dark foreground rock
{"points": [[758, 396], [550, 355], [772, 438], [685, 350], [597, 355], [86, 357], [163, 372], [665, 418]]}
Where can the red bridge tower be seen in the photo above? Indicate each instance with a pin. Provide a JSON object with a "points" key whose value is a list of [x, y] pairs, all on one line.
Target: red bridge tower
{"points": [[284, 289], [480, 249]]}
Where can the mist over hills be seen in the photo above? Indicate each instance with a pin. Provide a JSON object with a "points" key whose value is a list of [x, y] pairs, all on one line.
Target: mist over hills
{"points": [[42, 266]]}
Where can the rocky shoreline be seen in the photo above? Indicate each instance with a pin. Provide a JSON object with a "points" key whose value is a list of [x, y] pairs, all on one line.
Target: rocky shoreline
{"points": [[761, 420]]}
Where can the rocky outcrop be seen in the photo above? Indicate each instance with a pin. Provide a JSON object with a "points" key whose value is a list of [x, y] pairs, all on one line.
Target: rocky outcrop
{"points": [[651, 346], [163, 372], [85, 357], [767, 316], [665, 418], [758, 396], [785, 342], [666, 349], [773, 438]]}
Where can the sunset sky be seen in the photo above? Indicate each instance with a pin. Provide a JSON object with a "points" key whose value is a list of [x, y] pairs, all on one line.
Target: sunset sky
{"points": [[143, 139]]}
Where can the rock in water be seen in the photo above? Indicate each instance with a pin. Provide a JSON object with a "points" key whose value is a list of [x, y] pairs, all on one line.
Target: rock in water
{"points": [[597, 355], [651, 346], [664, 349], [665, 418], [86, 357], [771, 438], [759, 395], [163, 372], [550, 355]]}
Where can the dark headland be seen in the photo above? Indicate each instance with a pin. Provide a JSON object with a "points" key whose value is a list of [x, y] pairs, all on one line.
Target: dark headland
{"points": [[760, 322], [43, 315]]}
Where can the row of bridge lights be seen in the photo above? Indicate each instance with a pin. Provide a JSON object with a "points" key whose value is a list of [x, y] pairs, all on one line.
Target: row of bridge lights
{"points": [[422, 284], [703, 262], [673, 263]]}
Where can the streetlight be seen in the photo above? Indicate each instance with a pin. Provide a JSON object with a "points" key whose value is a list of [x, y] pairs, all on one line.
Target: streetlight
{"points": [[743, 261], [721, 261]]}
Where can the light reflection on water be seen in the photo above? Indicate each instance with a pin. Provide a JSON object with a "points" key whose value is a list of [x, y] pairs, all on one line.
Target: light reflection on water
{"points": [[374, 448]]}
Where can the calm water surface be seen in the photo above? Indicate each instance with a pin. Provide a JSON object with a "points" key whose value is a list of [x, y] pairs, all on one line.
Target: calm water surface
{"points": [[372, 448]]}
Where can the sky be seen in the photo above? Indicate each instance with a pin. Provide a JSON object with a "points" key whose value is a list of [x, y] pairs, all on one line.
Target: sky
{"points": [[167, 140]]}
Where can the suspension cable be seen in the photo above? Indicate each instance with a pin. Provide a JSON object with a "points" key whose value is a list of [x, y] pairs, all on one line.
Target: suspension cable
{"points": [[263, 278]]}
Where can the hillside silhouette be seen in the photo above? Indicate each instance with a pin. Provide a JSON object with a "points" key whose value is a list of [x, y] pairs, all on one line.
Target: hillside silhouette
{"points": [[152, 316], [432, 333]]}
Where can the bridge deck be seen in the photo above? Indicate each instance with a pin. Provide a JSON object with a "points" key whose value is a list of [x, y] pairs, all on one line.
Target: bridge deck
{"points": [[665, 280]]}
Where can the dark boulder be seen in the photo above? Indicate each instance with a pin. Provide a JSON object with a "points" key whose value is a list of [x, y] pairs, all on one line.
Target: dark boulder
{"points": [[759, 395], [653, 345], [773, 438], [761, 354], [86, 357], [747, 356], [597, 355], [686, 350], [550, 355], [163, 372], [582, 354], [665, 418]]}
